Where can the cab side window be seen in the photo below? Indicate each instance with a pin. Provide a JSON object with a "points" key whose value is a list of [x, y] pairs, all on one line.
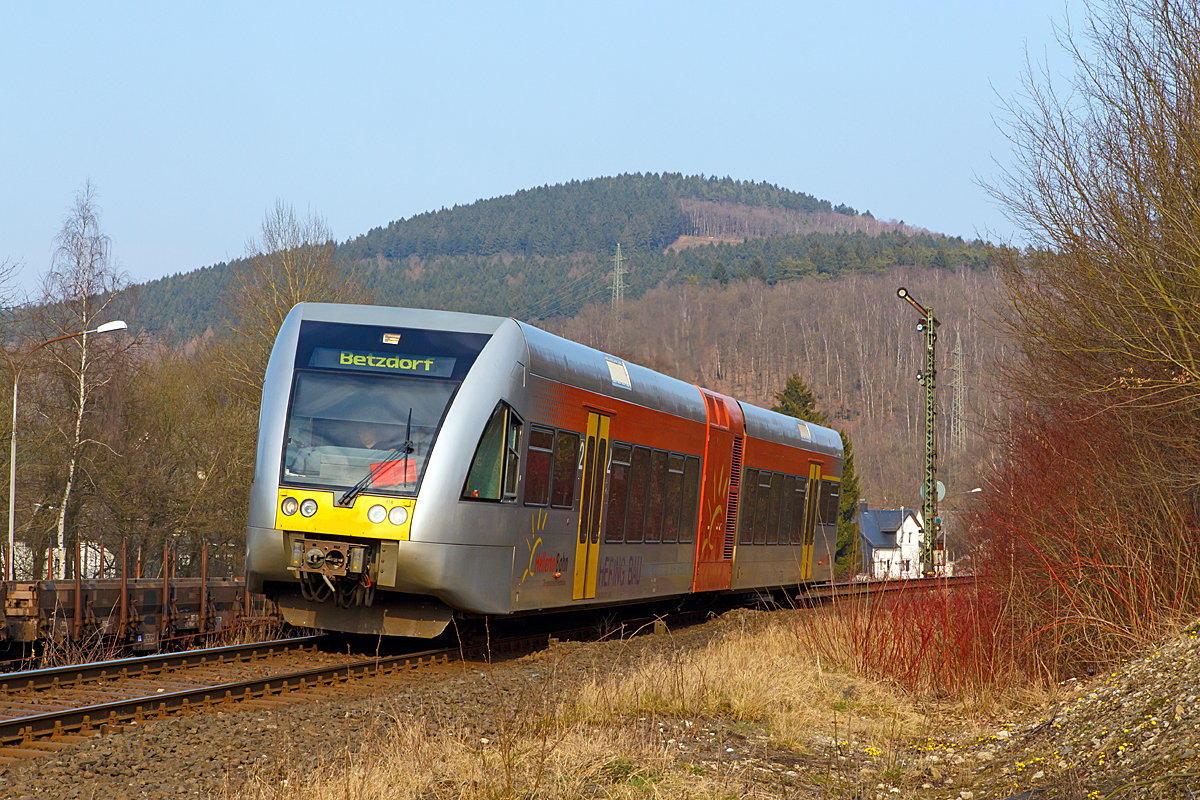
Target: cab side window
{"points": [[496, 466]]}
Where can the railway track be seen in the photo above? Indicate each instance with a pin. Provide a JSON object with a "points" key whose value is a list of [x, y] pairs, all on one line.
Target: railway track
{"points": [[43, 711]]}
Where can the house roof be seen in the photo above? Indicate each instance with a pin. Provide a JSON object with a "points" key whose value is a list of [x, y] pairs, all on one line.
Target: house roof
{"points": [[879, 526]]}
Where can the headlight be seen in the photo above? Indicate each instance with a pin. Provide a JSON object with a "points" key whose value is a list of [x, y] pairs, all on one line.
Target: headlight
{"points": [[289, 506], [308, 507], [377, 514], [398, 515]]}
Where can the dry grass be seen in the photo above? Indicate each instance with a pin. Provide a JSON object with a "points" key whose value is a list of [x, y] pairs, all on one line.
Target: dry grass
{"points": [[650, 717], [419, 762], [65, 652], [758, 670]]}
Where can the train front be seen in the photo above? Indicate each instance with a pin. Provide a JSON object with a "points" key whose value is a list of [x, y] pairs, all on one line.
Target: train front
{"points": [[355, 402]]}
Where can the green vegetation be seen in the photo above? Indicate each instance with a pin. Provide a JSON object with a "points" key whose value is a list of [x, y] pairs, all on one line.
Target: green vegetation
{"points": [[640, 212], [797, 400], [547, 252]]}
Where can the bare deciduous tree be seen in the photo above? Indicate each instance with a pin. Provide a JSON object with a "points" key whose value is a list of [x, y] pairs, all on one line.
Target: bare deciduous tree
{"points": [[1105, 308], [78, 293], [294, 262]]}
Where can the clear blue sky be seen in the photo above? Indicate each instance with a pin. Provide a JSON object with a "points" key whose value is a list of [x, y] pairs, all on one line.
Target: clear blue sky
{"points": [[191, 119]]}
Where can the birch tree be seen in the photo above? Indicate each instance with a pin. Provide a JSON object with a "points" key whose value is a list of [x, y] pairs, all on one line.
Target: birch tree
{"points": [[79, 293]]}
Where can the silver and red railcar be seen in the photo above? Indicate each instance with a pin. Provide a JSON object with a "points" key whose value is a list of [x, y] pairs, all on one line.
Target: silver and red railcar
{"points": [[416, 465]]}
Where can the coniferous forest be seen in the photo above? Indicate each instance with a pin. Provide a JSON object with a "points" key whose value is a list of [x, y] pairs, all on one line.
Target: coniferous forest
{"points": [[547, 252]]}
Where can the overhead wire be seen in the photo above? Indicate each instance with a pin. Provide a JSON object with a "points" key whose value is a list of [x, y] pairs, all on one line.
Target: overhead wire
{"points": [[563, 296]]}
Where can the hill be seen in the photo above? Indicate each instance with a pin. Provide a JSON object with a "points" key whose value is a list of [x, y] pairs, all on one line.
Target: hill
{"points": [[547, 251]]}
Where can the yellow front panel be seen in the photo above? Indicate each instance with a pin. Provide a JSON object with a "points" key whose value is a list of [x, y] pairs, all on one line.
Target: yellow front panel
{"points": [[332, 519]]}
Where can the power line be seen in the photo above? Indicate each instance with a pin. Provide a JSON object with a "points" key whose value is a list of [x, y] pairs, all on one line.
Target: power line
{"points": [[958, 408], [618, 295]]}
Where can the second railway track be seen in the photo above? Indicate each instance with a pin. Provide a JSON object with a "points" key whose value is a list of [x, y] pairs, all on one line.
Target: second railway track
{"points": [[43, 711]]}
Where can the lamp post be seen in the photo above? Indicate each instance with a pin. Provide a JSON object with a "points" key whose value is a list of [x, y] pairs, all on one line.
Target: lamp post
{"points": [[108, 327]]}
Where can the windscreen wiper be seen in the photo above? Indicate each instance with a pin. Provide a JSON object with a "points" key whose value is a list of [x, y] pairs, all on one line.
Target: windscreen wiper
{"points": [[408, 444], [347, 499]]}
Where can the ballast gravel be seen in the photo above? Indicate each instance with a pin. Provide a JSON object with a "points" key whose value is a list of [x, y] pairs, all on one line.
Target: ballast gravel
{"points": [[1129, 732], [209, 754]]}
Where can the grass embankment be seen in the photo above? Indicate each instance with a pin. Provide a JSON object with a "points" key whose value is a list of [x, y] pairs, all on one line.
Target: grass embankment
{"points": [[833, 701]]}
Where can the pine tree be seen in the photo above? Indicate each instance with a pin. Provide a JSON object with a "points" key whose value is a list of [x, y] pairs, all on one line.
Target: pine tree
{"points": [[720, 274], [797, 400]]}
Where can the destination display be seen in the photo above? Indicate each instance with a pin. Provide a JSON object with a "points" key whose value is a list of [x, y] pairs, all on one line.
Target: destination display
{"points": [[428, 366]]}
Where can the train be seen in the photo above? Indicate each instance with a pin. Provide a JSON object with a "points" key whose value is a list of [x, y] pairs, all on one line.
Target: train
{"points": [[416, 468]]}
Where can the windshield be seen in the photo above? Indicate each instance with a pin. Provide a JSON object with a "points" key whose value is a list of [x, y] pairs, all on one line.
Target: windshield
{"points": [[344, 428]]}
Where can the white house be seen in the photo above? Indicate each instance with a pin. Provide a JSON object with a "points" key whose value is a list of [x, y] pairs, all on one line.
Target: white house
{"points": [[891, 542]]}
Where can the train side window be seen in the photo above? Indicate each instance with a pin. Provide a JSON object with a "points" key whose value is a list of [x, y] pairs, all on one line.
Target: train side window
{"points": [[512, 460], [566, 467], [654, 500], [539, 466], [639, 481], [828, 504], [691, 496], [773, 508], [761, 505], [497, 461], [618, 492], [785, 510], [799, 509], [674, 498], [746, 516]]}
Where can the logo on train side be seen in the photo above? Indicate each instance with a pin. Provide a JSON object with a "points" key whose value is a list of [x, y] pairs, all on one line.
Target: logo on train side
{"points": [[716, 522], [542, 562]]}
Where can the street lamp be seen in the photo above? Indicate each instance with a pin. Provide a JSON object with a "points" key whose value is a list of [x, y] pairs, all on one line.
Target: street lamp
{"points": [[108, 327]]}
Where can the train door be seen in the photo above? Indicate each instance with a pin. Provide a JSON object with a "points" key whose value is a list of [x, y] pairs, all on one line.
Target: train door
{"points": [[810, 521], [591, 506]]}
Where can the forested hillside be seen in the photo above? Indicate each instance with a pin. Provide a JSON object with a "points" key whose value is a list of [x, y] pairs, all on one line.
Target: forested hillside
{"points": [[548, 251], [639, 212], [738, 298], [852, 340]]}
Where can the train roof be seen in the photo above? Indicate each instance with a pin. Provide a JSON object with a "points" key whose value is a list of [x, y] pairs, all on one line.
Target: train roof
{"points": [[575, 364], [775, 427], [401, 317]]}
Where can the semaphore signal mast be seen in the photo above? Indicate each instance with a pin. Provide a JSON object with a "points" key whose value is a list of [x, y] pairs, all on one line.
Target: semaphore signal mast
{"points": [[932, 540]]}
